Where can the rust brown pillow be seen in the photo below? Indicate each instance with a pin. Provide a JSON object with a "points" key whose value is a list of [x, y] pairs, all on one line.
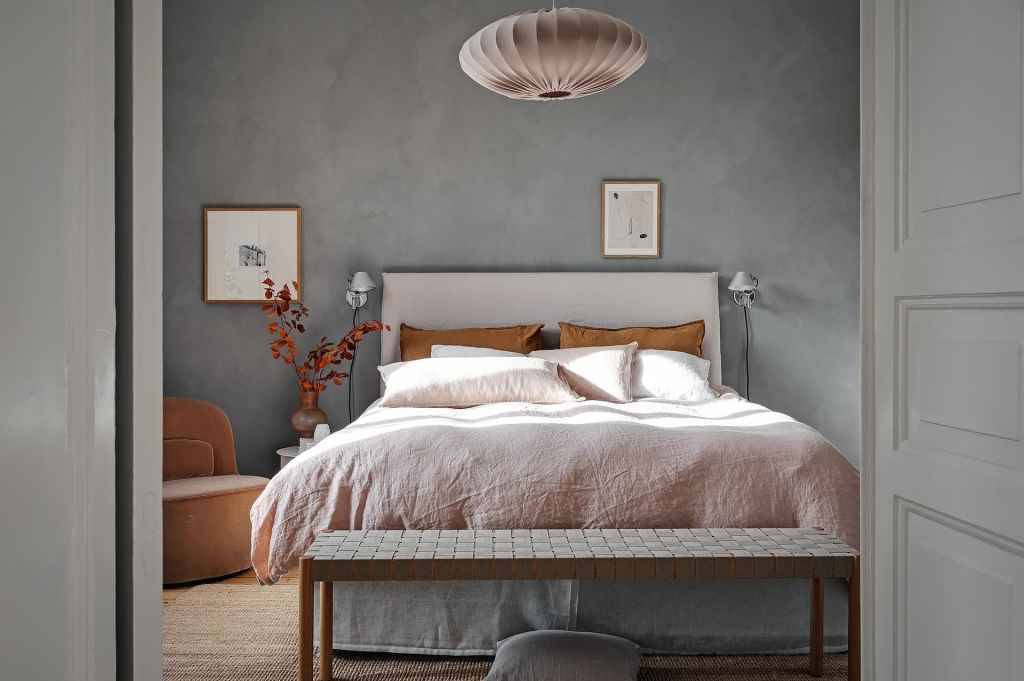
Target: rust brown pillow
{"points": [[687, 337], [416, 343]]}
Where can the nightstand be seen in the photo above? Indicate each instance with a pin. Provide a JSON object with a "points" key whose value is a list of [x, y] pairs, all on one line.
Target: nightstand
{"points": [[287, 454]]}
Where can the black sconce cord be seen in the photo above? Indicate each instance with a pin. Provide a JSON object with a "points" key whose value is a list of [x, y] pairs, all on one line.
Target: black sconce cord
{"points": [[746, 346], [352, 366]]}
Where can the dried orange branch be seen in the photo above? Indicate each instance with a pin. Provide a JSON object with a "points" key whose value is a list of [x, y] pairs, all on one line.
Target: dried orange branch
{"points": [[320, 368]]}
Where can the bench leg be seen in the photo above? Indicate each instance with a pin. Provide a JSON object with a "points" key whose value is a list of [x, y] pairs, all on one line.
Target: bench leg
{"points": [[853, 624], [817, 654], [326, 629], [305, 621]]}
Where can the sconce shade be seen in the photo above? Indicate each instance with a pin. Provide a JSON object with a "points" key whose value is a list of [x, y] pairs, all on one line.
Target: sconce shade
{"points": [[744, 282], [552, 54], [362, 283]]}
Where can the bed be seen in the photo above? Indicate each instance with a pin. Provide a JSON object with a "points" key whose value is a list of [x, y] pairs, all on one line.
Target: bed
{"points": [[648, 463]]}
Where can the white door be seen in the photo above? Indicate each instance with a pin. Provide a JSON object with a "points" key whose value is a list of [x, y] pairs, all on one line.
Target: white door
{"points": [[57, 395], [948, 329]]}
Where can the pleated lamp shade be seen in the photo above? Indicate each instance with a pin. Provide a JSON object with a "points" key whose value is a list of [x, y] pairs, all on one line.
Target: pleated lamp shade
{"points": [[553, 54], [743, 281], [362, 283]]}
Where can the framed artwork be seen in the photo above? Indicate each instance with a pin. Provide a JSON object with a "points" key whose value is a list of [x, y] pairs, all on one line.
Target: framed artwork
{"points": [[631, 219], [243, 246]]}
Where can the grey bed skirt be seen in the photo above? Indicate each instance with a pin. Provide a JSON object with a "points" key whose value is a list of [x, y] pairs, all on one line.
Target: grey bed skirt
{"points": [[468, 618]]}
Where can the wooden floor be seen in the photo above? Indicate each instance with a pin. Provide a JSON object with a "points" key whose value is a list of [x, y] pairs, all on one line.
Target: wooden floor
{"points": [[248, 577]]}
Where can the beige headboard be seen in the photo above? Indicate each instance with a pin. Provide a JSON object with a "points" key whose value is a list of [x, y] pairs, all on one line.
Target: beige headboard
{"points": [[462, 299]]}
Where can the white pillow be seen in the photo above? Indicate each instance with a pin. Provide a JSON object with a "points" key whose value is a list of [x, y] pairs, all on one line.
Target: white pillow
{"points": [[671, 375], [599, 373], [469, 351], [467, 382]]}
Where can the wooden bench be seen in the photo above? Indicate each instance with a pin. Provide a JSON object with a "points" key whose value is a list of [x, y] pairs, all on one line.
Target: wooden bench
{"points": [[609, 555]]}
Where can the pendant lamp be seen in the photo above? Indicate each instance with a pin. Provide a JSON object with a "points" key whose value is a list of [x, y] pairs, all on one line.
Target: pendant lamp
{"points": [[553, 54]]}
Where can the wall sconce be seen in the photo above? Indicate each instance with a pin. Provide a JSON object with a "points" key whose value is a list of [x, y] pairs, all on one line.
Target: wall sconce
{"points": [[744, 293], [744, 289], [359, 287]]}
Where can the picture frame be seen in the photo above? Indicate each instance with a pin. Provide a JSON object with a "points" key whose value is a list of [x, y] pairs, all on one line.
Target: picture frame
{"points": [[244, 245], [631, 219]]}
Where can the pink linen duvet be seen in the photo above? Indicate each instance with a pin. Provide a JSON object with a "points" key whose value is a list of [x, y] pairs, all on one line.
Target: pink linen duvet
{"points": [[650, 463]]}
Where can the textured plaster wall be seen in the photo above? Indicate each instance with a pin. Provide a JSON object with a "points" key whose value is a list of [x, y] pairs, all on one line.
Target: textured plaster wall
{"points": [[358, 112]]}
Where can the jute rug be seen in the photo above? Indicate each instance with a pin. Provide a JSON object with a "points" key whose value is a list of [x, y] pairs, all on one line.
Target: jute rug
{"points": [[221, 632]]}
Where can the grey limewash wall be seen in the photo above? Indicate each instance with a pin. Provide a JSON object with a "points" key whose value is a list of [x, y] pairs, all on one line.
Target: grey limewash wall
{"points": [[358, 112]]}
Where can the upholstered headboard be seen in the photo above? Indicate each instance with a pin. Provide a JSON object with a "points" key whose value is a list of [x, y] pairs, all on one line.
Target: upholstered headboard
{"points": [[463, 299]]}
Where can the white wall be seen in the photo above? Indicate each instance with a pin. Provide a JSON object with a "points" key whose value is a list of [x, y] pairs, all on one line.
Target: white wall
{"points": [[57, 340]]}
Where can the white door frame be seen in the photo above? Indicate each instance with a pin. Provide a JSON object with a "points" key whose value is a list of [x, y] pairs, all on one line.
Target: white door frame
{"points": [[89, 363], [140, 351], [147, 310], [867, 335], [58, 190]]}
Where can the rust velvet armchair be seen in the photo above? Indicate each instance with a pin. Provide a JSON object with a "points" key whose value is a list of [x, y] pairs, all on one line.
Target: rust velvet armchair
{"points": [[205, 501]]}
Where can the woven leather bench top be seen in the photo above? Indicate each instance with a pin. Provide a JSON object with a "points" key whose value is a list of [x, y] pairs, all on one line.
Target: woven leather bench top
{"points": [[608, 554]]}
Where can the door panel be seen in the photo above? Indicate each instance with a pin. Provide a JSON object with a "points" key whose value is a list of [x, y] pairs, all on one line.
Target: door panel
{"points": [[980, 613], [959, 156], [959, 77], [948, 338], [959, 359]]}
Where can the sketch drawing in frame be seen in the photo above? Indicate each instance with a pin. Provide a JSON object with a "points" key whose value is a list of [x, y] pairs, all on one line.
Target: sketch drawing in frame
{"points": [[242, 246], [631, 219]]}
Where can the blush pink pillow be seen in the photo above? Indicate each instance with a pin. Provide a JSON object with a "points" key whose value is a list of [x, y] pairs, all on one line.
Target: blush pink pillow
{"points": [[471, 381], [598, 373]]}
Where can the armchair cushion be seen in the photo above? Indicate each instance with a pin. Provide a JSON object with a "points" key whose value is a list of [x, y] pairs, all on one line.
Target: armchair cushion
{"points": [[187, 458], [194, 419], [214, 486], [206, 526]]}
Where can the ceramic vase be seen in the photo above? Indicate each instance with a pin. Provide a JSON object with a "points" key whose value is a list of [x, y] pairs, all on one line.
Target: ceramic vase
{"points": [[309, 415]]}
